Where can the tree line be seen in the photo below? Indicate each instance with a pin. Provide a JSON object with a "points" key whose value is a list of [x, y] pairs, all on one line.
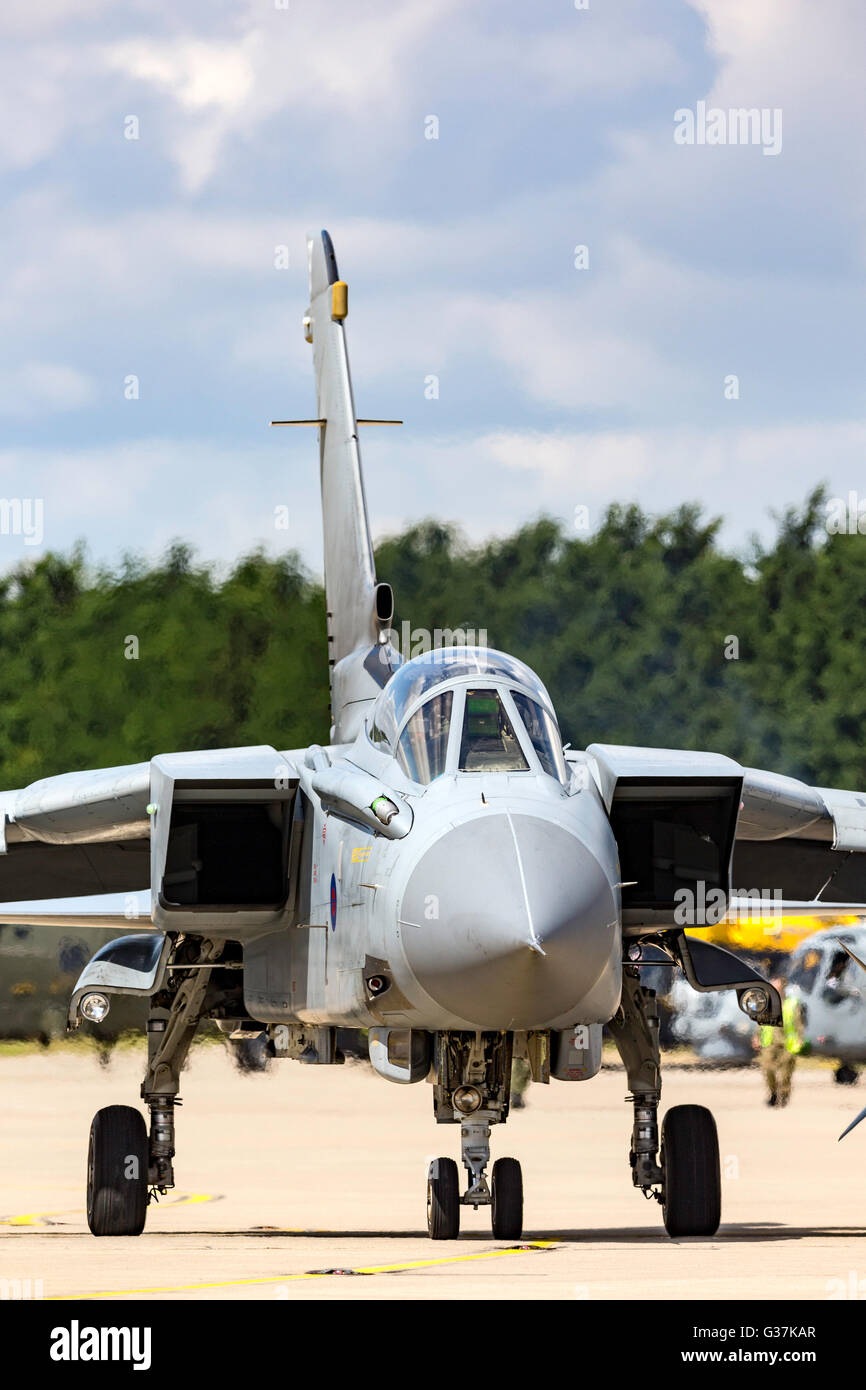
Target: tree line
{"points": [[646, 631]]}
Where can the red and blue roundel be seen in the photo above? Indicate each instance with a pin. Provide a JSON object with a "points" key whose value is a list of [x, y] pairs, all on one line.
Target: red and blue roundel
{"points": [[333, 903]]}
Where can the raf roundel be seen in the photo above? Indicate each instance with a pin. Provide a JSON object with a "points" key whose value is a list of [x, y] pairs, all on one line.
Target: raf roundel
{"points": [[333, 903]]}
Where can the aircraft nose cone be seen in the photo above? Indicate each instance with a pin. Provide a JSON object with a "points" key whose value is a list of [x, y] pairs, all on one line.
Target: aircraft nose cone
{"points": [[508, 921]]}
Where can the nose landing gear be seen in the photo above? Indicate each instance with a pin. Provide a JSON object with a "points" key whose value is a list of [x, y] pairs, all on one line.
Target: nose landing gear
{"points": [[473, 1079], [504, 1193]]}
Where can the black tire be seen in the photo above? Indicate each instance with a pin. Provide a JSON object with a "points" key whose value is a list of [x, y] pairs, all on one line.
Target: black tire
{"points": [[507, 1209], [117, 1161], [692, 1196], [443, 1200], [845, 1075], [252, 1054]]}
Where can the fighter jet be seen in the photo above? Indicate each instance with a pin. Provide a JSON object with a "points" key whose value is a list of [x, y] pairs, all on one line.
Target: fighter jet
{"points": [[824, 973], [443, 874]]}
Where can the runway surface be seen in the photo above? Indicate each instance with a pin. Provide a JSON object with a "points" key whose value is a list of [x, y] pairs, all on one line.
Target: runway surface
{"points": [[309, 1183]]}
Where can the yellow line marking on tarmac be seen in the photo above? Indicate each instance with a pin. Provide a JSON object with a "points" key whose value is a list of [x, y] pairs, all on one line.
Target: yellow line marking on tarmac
{"points": [[30, 1218], [446, 1259], [34, 1218], [192, 1197], [528, 1248]]}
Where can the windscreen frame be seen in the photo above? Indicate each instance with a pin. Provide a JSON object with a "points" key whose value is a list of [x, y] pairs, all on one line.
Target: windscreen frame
{"points": [[439, 692], [390, 712], [504, 686]]}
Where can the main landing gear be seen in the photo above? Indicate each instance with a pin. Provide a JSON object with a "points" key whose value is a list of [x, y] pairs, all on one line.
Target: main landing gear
{"points": [[117, 1164], [473, 1079], [685, 1177], [127, 1166]]}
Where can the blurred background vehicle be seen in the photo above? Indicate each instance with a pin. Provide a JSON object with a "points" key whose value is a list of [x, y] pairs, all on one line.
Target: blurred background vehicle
{"points": [[809, 955]]}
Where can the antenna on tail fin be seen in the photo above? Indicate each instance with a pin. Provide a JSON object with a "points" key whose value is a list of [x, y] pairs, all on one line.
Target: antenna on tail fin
{"points": [[359, 609]]}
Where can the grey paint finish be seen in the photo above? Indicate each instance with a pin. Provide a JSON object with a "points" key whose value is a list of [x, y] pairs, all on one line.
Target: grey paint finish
{"points": [[350, 576], [832, 991], [775, 806], [83, 807], [509, 921]]}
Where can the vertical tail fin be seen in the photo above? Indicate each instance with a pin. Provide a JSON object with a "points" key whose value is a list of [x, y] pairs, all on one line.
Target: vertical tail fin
{"points": [[350, 575], [359, 610]]}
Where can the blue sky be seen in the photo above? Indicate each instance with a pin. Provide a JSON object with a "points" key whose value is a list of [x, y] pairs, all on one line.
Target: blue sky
{"points": [[558, 388]]}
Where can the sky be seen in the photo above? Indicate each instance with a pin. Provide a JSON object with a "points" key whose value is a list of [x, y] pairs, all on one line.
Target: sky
{"points": [[161, 161]]}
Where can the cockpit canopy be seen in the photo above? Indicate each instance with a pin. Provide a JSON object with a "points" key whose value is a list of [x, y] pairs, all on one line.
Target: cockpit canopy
{"points": [[506, 716]]}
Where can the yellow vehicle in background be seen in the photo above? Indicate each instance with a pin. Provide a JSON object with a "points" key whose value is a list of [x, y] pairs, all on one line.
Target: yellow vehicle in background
{"points": [[764, 934], [795, 947]]}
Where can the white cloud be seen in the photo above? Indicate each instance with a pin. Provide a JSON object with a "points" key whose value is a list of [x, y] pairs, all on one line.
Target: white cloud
{"points": [[42, 388], [351, 80], [703, 261], [593, 58], [195, 73], [741, 474], [352, 67], [21, 18], [141, 494], [805, 204]]}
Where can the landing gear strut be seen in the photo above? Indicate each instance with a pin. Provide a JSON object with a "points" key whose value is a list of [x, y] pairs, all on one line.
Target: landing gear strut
{"points": [[685, 1178], [126, 1166], [473, 1078]]}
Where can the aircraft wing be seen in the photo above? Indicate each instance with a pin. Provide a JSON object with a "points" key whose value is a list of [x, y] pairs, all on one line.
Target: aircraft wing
{"points": [[809, 843], [681, 817], [76, 848], [118, 911], [76, 835]]}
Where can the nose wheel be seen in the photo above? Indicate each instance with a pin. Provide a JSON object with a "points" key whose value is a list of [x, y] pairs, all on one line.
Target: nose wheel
{"points": [[473, 1080], [443, 1200], [504, 1193], [507, 1203]]}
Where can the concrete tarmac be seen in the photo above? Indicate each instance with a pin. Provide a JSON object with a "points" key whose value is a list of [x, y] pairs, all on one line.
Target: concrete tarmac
{"points": [[300, 1170]]}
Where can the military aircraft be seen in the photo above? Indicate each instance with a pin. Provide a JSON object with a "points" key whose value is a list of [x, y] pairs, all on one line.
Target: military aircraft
{"points": [[830, 988], [442, 874]]}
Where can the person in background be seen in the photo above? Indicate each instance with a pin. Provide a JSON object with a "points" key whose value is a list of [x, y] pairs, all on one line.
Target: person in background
{"points": [[520, 1079], [780, 1048]]}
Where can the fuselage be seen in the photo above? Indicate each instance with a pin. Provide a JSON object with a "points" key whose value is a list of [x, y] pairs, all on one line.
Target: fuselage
{"points": [[498, 909]]}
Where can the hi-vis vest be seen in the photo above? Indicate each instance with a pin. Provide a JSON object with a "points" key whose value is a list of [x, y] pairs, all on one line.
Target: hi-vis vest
{"points": [[790, 1027]]}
